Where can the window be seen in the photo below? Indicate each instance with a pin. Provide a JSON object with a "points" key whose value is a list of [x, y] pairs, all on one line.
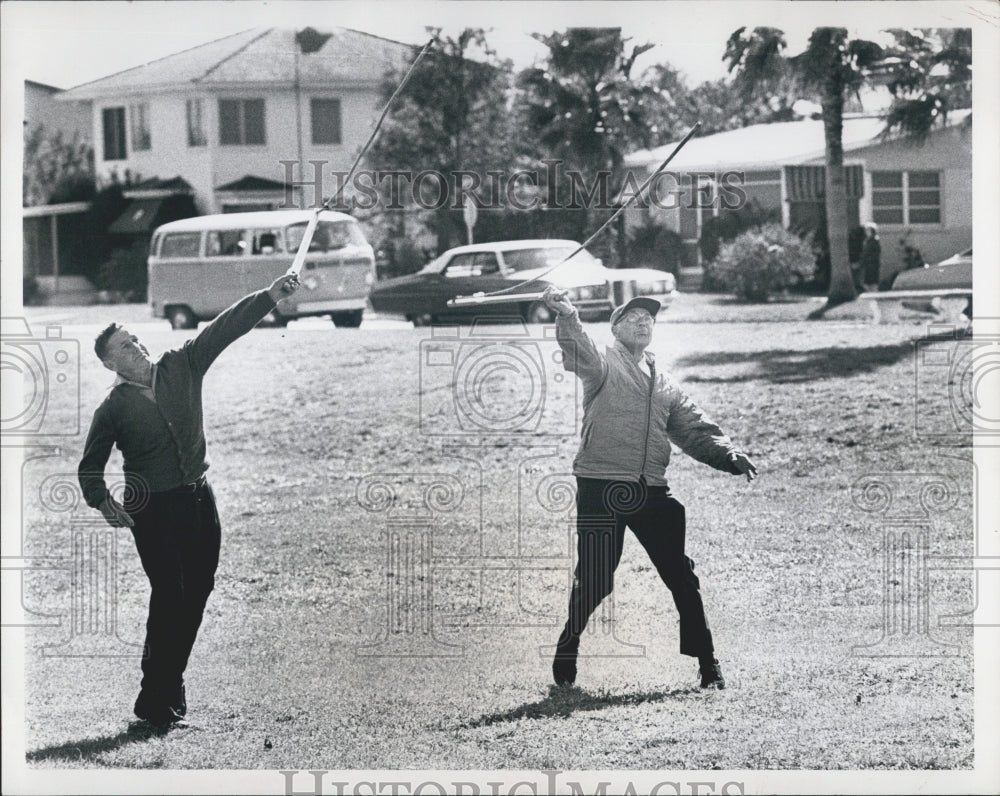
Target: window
{"points": [[181, 244], [906, 197], [114, 133], [325, 121], [266, 241], [241, 121], [329, 235], [139, 114], [472, 264], [196, 123], [227, 243]]}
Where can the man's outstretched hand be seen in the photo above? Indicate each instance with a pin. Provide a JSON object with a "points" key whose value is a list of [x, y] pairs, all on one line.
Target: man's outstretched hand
{"points": [[557, 300], [743, 464], [283, 287]]}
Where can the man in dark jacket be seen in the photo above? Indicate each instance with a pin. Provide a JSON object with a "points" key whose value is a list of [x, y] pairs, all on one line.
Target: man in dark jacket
{"points": [[631, 414], [154, 415]]}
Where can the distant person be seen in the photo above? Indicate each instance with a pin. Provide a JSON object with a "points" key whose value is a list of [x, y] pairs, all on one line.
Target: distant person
{"points": [[154, 415], [871, 257], [631, 414]]}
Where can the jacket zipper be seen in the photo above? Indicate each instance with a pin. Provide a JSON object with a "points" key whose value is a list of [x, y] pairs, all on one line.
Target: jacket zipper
{"points": [[649, 412]]}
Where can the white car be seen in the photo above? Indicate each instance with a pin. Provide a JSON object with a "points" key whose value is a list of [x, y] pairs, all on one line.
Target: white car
{"points": [[521, 265]]}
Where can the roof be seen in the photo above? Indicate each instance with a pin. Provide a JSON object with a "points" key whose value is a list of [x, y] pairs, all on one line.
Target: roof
{"points": [[250, 182], [175, 184], [258, 56], [775, 144], [510, 245], [260, 218]]}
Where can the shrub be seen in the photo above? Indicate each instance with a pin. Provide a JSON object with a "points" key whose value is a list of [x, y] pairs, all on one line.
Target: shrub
{"points": [[763, 261], [125, 272], [654, 246]]}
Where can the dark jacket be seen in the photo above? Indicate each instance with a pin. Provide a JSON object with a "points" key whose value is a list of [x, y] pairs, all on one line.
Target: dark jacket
{"points": [[163, 440]]}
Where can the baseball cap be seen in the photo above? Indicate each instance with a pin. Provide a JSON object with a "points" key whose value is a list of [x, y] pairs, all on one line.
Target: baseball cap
{"points": [[642, 302]]}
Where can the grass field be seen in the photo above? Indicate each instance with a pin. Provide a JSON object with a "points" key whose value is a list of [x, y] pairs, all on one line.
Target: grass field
{"points": [[288, 672]]}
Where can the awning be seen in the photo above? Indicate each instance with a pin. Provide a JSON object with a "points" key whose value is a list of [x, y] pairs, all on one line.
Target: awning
{"points": [[808, 183], [139, 217]]}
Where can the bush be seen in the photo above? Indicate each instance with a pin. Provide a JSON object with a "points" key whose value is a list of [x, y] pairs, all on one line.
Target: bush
{"points": [[125, 272], [724, 227], [763, 261], [654, 246]]}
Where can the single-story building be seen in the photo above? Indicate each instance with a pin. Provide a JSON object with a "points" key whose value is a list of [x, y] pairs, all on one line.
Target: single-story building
{"points": [[920, 192]]}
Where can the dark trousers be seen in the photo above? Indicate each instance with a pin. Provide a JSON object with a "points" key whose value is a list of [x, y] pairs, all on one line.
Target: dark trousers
{"points": [[604, 509], [178, 536]]}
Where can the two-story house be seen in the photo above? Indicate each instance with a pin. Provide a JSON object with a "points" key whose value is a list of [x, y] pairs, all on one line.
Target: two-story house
{"points": [[217, 120]]}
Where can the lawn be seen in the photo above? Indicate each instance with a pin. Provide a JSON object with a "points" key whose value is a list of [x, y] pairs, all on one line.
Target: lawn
{"points": [[386, 592]]}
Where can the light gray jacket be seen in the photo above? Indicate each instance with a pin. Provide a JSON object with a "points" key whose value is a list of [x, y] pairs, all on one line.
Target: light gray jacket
{"points": [[629, 418]]}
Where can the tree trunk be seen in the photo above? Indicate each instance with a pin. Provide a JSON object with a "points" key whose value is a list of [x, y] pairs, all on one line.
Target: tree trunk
{"points": [[841, 282]]}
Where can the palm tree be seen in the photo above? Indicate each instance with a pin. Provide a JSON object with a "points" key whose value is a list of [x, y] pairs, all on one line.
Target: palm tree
{"points": [[830, 67], [585, 108], [928, 72]]}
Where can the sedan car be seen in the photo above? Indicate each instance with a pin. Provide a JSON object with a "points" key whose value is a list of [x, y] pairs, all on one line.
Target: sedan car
{"points": [[488, 267], [952, 272]]}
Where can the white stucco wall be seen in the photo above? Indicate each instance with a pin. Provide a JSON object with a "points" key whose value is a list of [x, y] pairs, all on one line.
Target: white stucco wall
{"points": [[214, 164]]}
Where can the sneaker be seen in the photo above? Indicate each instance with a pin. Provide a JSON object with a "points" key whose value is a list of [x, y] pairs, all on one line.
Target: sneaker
{"points": [[711, 675], [564, 668]]}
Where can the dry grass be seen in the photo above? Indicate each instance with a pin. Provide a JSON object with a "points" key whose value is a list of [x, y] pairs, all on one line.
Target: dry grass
{"points": [[790, 567]]}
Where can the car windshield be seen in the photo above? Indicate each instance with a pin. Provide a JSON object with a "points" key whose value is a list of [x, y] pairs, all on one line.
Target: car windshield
{"points": [[329, 235], [530, 259]]}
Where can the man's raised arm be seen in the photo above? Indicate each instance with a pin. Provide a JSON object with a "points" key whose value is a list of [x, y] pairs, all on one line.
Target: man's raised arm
{"points": [[580, 355], [237, 320]]}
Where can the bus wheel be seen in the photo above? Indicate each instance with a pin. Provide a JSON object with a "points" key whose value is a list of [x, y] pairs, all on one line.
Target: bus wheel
{"points": [[181, 317], [347, 320]]}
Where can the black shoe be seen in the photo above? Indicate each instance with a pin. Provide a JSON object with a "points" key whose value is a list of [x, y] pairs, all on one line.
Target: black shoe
{"points": [[159, 717], [179, 703], [711, 675], [564, 668], [155, 712]]}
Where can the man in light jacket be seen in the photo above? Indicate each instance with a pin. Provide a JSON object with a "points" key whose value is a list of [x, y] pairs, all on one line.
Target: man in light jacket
{"points": [[631, 414]]}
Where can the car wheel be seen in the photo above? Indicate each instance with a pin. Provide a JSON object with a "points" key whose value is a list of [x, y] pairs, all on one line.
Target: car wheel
{"points": [[424, 319], [181, 317], [539, 313], [347, 320]]}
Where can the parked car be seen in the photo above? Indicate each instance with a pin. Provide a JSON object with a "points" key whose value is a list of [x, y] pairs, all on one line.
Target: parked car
{"points": [[199, 266], [952, 272], [487, 267]]}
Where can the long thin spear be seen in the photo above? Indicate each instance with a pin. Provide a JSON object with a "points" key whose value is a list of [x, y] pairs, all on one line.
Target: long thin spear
{"points": [[307, 236]]}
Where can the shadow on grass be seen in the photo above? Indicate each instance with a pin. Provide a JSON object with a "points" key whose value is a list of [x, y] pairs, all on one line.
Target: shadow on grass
{"points": [[788, 366], [90, 748], [563, 702]]}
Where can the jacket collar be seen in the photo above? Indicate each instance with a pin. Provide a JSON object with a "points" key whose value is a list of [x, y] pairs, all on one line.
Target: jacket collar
{"points": [[621, 349]]}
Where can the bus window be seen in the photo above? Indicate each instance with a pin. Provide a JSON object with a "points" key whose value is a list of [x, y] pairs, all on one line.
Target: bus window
{"points": [[265, 241], [181, 244], [329, 236], [226, 243]]}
